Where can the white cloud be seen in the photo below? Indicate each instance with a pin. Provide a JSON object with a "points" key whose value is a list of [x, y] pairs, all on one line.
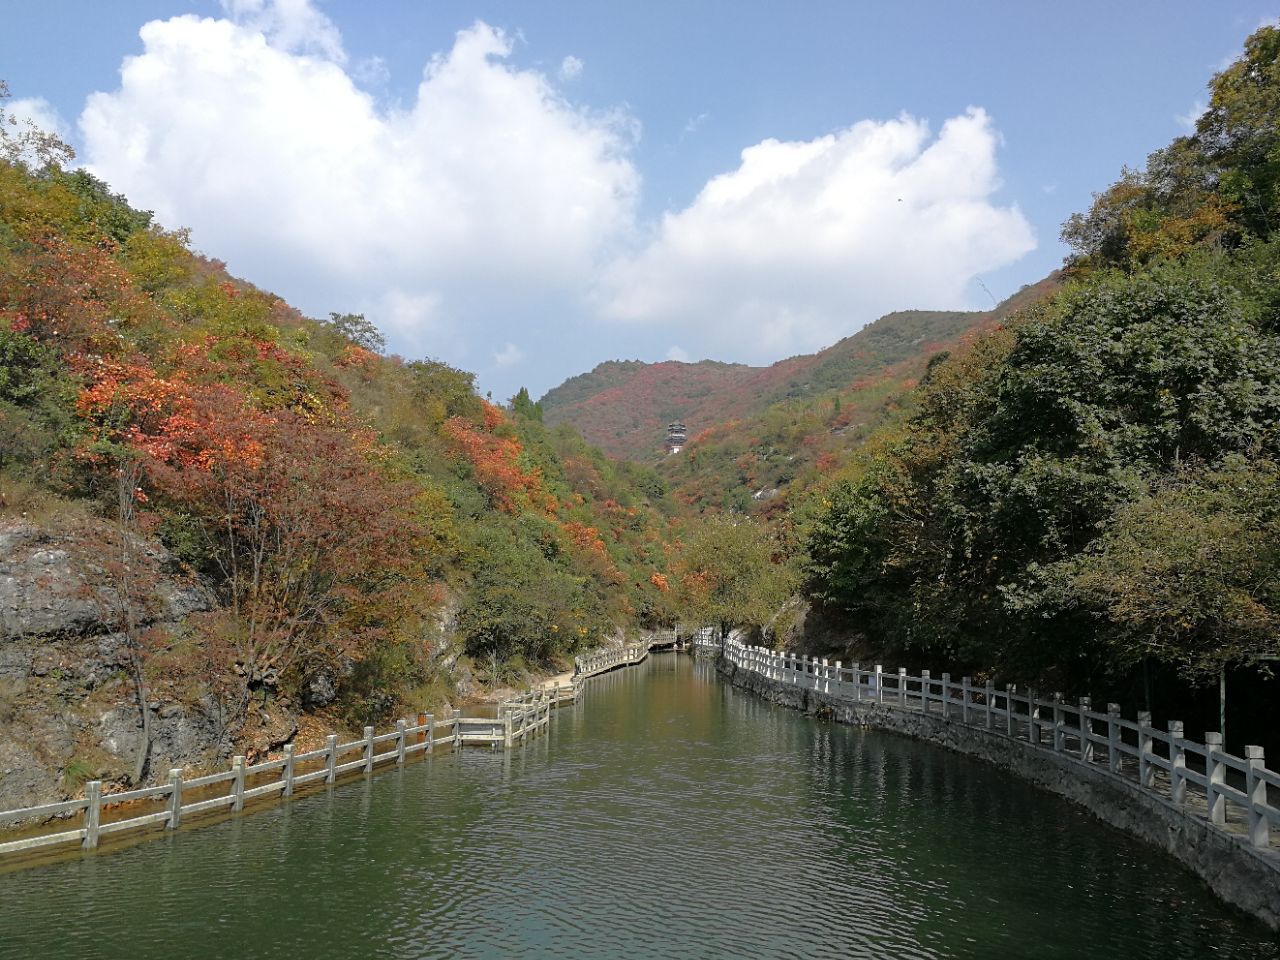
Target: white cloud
{"points": [[807, 241], [289, 25], [488, 190], [508, 356], [694, 124], [490, 201], [570, 68], [38, 112], [676, 352], [1187, 121]]}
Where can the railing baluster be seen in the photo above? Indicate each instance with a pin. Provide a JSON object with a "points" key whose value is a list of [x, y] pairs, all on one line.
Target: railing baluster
{"points": [[237, 783], [1086, 729], [92, 813], [1113, 737], [1146, 771], [1256, 788], [1177, 764], [1217, 776], [175, 799]]}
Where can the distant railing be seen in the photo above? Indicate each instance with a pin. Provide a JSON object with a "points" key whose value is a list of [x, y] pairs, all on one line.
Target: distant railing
{"points": [[1202, 780], [707, 638], [608, 659], [101, 814]]}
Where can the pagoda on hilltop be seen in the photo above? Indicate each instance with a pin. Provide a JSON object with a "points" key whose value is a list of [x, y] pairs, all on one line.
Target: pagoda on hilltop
{"points": [[677, 436]]}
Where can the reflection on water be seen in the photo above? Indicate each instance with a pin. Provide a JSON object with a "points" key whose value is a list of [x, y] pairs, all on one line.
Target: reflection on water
{"points": [[667, 815]]}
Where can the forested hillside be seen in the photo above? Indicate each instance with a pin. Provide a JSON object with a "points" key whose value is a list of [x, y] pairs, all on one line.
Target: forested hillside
{"points": [[354, 531], [624, 406], [764, 462], [1089, 497], [231, 503]]}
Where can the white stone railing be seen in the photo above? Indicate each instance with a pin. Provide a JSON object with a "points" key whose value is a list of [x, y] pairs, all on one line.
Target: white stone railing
{"points": [[608, 659], [169, 803], [1227, 792], [100, 814]]}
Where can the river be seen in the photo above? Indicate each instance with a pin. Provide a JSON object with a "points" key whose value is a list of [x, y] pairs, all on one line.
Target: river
{"points": [[666, 815]]}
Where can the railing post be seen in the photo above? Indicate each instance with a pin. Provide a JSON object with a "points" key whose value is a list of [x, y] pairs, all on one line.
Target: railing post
{"points": [[1058, 738], [431, 732], [368, 749], [175, 799], [1217, 775], [506, 732], [839, 679], [1008, 709], [1177, 764], [457, 729], [1256, 788], [989, 696], [879, 683], [287, 773], [1033, 717], [237, 783], [1146, 772], [92, 813], [966, 691], [902, 687], [946, 696], [1086, 729], [401, 726], [331, 758], [857, 681], [1113, 737], [925, 683]]}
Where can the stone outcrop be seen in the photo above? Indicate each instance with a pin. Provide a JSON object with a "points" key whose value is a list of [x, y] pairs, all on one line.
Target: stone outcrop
{"points": [[68, 703]]}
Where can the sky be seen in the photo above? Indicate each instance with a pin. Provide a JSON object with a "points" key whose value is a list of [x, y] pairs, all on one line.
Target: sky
{"points": [[525, 190]]}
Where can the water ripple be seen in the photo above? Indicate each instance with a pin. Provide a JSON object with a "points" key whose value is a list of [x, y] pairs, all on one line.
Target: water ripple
{"points": [[666, 816]]}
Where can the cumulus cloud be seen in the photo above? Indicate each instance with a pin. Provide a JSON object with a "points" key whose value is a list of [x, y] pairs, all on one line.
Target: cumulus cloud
{"points": [[508, 356], [807, 241], [676, 352], [488, 190], [570, 68], [37, 112], [490, 201], [290, 25]]}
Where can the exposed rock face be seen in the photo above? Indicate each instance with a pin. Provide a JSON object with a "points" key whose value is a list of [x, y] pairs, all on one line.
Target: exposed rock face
{"points": [[68, 703]]}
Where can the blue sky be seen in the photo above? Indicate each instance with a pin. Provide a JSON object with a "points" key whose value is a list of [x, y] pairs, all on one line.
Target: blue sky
{"points": [[525, 190]]}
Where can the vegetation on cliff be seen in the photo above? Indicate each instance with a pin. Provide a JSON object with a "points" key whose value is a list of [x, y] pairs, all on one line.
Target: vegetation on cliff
{"points": [[338, 501], [1091, 490]]}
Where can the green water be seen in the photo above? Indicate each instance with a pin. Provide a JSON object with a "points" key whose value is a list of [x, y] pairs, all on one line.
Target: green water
{"points": [[667, 815]]}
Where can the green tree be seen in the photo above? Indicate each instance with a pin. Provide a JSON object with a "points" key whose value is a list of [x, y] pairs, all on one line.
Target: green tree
{"points": [[1189, 572], [730, 574]]}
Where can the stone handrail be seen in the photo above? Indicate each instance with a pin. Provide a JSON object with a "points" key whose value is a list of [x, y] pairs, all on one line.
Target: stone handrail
{"points": [[1194, 777], [169, 803], [609, 658]]}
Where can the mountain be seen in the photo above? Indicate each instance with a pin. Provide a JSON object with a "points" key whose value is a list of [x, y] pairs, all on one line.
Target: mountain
{"points": [[623, 406]]}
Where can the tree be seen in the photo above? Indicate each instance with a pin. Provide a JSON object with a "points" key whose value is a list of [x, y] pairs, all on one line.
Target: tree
{"points": [[1189, 572], [355, 329], [22, 143], [522, 406], [729, 574]]}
